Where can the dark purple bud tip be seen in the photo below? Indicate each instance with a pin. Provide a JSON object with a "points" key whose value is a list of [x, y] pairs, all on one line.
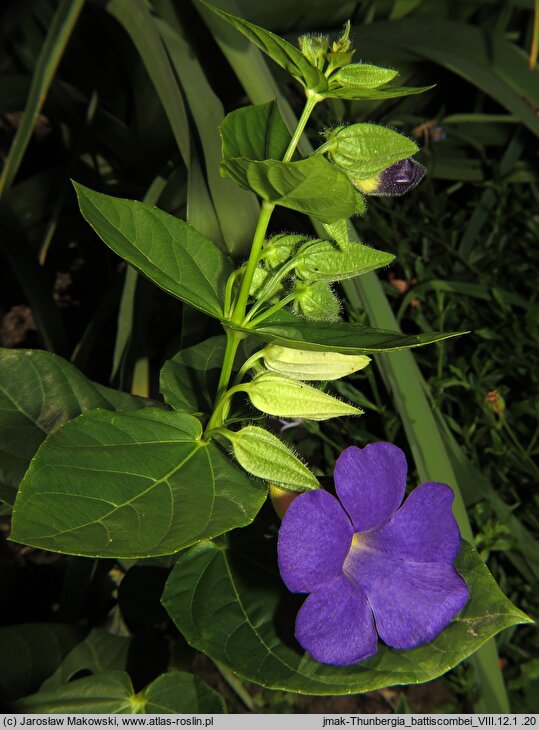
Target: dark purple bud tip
{"points": [[400, 178]]}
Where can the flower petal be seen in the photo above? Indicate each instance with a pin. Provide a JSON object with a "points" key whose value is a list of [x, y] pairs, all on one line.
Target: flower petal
{"points": [[314, 540], [370, 483], [423, 530], [411, 602], [335, 624]]}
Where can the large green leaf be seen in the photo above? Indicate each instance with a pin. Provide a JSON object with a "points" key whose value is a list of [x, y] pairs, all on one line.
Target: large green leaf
{"points": [[30, 652], [278, 49], [112, 692], [167, 250], [130, 485], [347, 337], [188, 381], [99, 652], [313, 186], [231, 604], [179, 693], [38, 392], [256, 132]]}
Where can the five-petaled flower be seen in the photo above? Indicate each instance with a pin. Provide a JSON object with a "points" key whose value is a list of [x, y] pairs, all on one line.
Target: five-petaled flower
{"points": [[371, 565]]}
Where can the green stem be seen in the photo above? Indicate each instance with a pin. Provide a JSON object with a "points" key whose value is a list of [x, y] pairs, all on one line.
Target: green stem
{"points": [[240, 306], [233, 340], [238, 312], [276, 307], [247, 365], [312, 101]]}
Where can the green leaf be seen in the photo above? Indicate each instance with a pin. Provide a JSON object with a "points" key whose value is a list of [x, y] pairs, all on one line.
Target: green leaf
{"points": [[312, 186], [30, 653], [255, 132], [167, 250], [230, 604], [363, 76], [322, 261], [347, 337], [189, 380], [388, 92], [181, 693], [130, 485], [110, 692], [288, 398], [364, 150], [267, 457], [38, 392], [99, 652], [282, 52]]}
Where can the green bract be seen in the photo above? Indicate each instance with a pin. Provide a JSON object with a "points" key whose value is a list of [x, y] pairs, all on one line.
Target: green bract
{"points": [[279, 396], [364, 150], [264, 455], [322, 261], [316, 300], [362, 76], [308, 365]]}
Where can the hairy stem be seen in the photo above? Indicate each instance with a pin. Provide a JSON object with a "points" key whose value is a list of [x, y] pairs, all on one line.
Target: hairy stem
{"points": [[240, 305]]}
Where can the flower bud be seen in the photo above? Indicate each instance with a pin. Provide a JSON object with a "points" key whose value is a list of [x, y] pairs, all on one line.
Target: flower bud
{"points": [[495, 402], [281, 499], [281, 247], [317, 301], [286, 398], [397, 179], [314, 48], [261, 453], [310, 365]]}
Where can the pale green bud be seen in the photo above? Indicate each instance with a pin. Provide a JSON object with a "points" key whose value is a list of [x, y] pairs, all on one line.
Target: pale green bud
{"points": [[309, 365], [259, 277], [317, 301], [363, 76], [324, 262], [343, 44], [261, 453], [279, 396], [314, 48], [281, 247]]}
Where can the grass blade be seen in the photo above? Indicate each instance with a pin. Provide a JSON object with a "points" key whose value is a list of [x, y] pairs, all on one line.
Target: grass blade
{"points": [[137, 21], [56, 41]]}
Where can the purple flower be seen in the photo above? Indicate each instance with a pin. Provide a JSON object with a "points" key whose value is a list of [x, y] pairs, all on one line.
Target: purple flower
{"points": [[397, 179], [371, 566]]}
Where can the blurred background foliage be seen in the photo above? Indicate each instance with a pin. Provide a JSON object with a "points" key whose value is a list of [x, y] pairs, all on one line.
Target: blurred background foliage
{"points": [[125, 96]]}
